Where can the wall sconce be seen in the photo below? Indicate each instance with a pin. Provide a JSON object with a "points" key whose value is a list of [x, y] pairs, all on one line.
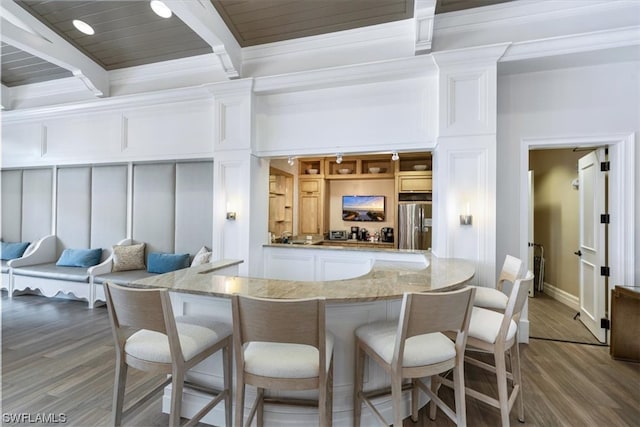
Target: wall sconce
{"points": [[339, 158], [394, 156], [290, 161], [231, 216], [466, 219]]}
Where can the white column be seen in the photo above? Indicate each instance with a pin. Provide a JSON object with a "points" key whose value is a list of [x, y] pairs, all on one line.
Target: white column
{"points": [[240, 182], [465, 157]]}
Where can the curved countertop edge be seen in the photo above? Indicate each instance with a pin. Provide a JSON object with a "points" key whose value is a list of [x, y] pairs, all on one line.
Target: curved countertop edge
{"points": [[386, 280]]}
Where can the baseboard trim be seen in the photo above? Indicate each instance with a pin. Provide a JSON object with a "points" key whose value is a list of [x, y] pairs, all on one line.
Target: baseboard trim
{"points": [[564, 297]]}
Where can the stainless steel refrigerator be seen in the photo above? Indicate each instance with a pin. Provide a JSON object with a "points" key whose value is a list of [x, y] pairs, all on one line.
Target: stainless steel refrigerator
{"points": [[414, 226]]}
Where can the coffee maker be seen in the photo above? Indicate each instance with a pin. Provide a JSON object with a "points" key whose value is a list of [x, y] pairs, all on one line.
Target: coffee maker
{"points": [[363, 234], [354, 233], [386, 234]]}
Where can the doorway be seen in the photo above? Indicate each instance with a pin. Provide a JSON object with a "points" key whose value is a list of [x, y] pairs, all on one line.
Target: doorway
{"points": [[621, 197], [558, 292]]}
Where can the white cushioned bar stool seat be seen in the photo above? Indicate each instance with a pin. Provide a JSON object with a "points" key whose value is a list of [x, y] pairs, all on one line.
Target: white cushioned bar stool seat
{"points": [[282, 345], [165, 345], [414, 347], [496, 298]]}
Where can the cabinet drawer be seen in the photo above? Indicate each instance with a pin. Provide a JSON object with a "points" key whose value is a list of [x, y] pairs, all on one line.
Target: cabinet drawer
{"points": [[414, 184], [311, 186]]}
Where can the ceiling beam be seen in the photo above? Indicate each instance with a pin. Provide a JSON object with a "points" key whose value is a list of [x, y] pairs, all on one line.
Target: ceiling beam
{"points": [[424, 13], [44, 43], [205, 21], [6, 98]]}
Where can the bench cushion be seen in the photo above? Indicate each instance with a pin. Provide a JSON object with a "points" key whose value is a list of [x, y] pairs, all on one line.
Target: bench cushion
{"points": [[123, 277], [52, 271]]}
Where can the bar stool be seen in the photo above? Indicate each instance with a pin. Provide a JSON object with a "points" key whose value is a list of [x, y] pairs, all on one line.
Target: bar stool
{"points": [[414, 347], [496, 298], [496, 333], [282, 345], [165, 345]]}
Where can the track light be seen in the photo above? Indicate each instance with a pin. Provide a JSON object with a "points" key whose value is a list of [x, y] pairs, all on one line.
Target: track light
{"points": [[339, 158], [290, 161], [394, 156], [161, 9]]}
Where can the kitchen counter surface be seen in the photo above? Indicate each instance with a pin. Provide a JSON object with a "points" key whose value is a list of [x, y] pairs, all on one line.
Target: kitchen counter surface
{"points": [[340, 244], [385, 280]]}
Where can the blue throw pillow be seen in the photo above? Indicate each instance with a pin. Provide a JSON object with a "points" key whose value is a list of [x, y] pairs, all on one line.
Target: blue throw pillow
{"points": [[163, 263], [79, 257], [12, 250]]}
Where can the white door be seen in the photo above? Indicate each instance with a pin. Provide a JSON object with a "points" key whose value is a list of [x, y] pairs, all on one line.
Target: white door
{"points": [[592, 242], [530, 232]]}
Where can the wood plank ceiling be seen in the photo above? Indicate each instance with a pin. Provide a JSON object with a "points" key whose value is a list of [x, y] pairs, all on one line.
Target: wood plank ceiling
{"points": [[128, 33], [266, 21]]}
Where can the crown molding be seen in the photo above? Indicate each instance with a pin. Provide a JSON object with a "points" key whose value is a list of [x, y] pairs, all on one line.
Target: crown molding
{"points": [[523, 12], [106, 104], [417, 66], [574, 43]]}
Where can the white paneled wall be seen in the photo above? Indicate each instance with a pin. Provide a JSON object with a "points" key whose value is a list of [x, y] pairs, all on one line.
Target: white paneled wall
{"points": [[178, 130], [365, 117]]}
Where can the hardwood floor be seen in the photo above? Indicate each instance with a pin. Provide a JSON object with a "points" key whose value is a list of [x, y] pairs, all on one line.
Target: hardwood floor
{"points": [[550, 319], [58, 357]]}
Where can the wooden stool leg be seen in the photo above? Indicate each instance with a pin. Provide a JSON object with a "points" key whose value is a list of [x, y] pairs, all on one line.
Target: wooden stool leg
{"points": [[118, 390], [415, 391], [330, 393], [358, 384], [226, 366], [177, 384], [260, 411], [458, 381], [396, 397], [239, 398], [503, 392], [433, 407], [517, 380]]}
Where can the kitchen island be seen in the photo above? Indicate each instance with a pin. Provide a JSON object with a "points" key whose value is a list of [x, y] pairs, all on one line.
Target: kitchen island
{"points": [[360, 286]]}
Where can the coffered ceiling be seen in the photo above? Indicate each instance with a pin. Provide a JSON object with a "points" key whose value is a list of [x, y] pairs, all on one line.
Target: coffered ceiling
{"points": [[129, 33]]}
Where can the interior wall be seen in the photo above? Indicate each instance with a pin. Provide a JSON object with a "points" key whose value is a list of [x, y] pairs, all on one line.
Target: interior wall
{"points": [[360, 187], [556, 215], [594, 100]]}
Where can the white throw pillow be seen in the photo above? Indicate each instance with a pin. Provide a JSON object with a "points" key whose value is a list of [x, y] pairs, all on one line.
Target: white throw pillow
{"points": [[203, 256]]}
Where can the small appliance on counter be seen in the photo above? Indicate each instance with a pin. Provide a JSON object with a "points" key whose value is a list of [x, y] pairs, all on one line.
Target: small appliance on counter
{"points": [[386, 234], [338, 235], [355, 233], [363, 234]]}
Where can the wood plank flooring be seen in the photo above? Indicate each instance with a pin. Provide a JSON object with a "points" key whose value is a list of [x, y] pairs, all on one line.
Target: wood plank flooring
{"points": [[58, 357], [550, 319]]}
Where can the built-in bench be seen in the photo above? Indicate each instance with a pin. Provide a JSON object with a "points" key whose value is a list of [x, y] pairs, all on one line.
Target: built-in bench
{"points": [[168, 206]]}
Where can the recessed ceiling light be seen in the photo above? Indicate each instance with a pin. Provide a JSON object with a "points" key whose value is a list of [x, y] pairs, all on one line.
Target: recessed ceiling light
{"points": [[83, 27], [161, 9]]}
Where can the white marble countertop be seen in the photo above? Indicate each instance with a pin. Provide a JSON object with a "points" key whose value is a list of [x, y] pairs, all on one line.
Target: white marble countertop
{"points": [[385, 280]]}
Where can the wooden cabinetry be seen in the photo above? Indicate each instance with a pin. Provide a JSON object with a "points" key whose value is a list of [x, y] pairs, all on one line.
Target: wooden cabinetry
{"points": [[413, 173], [280, 202], [312, 205]]}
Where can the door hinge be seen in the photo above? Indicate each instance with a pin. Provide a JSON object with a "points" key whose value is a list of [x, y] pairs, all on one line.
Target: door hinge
{"points": [[605, 323], [605, 219], [605, 166], [604, 271]]}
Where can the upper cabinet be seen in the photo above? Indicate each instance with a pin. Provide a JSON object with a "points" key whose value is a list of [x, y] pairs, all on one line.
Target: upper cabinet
{"points": [[413, 173]]}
